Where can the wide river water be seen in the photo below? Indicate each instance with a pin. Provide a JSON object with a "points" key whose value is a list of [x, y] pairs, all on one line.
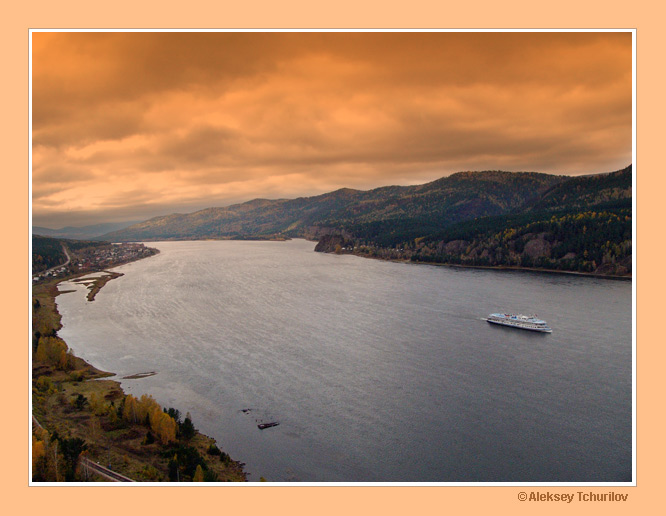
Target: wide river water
{"points": [[375, 371]]}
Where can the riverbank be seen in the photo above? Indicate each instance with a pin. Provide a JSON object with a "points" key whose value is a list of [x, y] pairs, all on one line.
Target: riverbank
{"points": [[83, 410], [489, 267], [526, 270]]}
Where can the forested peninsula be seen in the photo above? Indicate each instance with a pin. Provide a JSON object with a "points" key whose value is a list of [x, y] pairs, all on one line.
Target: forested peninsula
{"points": [[491, 218]]}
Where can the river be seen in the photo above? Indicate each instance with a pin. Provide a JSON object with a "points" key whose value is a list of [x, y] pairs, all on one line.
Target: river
{"points": [[376, 371]]}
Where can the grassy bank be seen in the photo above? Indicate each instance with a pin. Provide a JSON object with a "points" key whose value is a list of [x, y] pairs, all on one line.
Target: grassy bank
{"points": [[85, 414]]}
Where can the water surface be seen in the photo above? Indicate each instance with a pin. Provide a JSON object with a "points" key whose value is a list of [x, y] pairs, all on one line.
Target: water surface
{"points": [[376, 371]]}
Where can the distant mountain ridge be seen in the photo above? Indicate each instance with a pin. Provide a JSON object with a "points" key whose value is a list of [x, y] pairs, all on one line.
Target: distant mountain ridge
{"points": [[442, 202], [81, 233], [583, 223]]}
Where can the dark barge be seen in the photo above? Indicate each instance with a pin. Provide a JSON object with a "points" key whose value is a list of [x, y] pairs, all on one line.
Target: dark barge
{"points": [[261, 426]]}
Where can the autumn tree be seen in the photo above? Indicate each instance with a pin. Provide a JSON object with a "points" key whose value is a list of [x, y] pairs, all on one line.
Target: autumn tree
{"points": [[38, 460], [145, 406], [146, 410], [97, 405], [53, 351], [130, 409], [112, 414], [163, 425]]}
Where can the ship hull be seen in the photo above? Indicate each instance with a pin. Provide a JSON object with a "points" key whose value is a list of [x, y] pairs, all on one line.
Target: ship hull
{"points": [[512, 324]]}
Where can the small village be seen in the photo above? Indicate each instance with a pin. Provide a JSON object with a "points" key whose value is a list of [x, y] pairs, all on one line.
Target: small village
{"points": [[96, 258]]}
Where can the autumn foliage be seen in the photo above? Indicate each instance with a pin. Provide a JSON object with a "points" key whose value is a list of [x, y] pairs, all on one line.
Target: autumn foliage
{"points": [[53, 351], [146, 410]]}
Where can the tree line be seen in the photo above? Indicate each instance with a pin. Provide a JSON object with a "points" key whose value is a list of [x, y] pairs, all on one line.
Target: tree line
{"points": [[583, 241]]}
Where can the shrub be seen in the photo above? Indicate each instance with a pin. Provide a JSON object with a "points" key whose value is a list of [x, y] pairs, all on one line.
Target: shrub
{"points": [[150, 473], [213, 450]]}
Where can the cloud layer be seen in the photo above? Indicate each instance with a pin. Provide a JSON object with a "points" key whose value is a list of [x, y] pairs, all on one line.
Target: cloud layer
{"points": [[131, 125]]}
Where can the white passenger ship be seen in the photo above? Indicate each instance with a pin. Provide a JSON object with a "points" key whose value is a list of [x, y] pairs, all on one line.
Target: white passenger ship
{"points": [[525, 322]]}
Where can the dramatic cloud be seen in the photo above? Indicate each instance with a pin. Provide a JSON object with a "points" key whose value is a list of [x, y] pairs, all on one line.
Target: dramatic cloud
{"points": [[132, 125]]}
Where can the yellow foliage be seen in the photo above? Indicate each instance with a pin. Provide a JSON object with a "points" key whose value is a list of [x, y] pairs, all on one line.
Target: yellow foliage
{"points": [[145, 405], [146, 408], [198, 474], [112, 413], [53, 351], [97, 405], [129, 410], [163, 425], [509, 233], [62, 361], [37, 448], [40, 354], [45, 384], [38, 451]]}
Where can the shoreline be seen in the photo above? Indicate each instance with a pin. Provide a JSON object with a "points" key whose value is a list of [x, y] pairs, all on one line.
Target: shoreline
{"points": [[528, 270], [513, 268], [89, 374]]}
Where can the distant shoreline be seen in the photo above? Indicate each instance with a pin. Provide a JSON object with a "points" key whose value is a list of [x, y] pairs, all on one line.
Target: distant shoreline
{"points": [[524, 269], [397, 260], [487, 267]]}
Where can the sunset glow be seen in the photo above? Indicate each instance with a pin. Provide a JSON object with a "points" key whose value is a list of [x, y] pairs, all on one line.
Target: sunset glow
{"points": [[127, 126]]}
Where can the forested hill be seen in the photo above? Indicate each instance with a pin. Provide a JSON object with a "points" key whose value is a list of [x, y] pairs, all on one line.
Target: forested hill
{"points": [[602, 190], [493, 218], [49, 252], [46, 253], [373, 213], [583, 224]]}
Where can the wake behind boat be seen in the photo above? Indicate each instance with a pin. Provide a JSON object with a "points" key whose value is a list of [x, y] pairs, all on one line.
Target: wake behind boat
{"points": [[524, 322]]}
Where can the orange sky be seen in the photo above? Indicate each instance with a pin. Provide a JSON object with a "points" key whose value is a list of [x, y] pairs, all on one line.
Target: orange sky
{"points": [[127, 126]]}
